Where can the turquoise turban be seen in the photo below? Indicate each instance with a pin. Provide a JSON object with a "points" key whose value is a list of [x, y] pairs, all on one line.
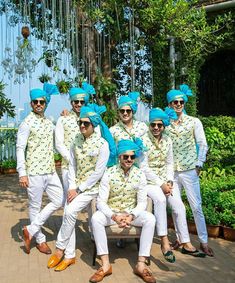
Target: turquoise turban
{"points": [[50, 89], [37, 93], [88, 88], [93, 112], [76, 93], [135, 145], [183, 92], [159, 114], [130, 100]]}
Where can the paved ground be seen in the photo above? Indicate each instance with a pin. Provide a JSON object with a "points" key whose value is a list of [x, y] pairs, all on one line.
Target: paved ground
{"points": [[16, 266]]}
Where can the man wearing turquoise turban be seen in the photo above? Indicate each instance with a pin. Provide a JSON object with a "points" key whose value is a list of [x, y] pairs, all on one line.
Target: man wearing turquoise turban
{"points": [[158, 166], [67, 128], [127, 127], [89, 155], [122, 200], [189, 149], [36, 168]]}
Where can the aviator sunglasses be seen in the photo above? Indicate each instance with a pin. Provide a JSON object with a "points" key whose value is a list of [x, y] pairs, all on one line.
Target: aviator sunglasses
{"points": [[85, 123], [82, 102], [41, 102], [159, 125], [176, 102], [126, 157], [128, 111]]}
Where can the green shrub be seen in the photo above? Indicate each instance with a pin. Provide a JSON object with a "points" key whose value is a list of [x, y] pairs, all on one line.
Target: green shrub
{"points": [[224, 124], [6, 164], [57, 156]]}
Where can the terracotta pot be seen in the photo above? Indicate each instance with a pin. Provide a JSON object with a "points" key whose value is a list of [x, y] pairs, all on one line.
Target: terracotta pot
{"points": [[229, 233], [192, 228], [25, 32], [213, 230], [9, 170]]}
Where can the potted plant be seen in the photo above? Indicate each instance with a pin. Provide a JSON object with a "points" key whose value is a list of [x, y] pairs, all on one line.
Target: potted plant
{"points": [[63, 86], [44, 78], [57, 158], [228, 222], [9, 166], [212, 218]]}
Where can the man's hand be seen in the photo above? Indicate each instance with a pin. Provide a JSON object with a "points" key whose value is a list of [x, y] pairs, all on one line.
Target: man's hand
{"points": [[64, 112], [71, 195], [129, 218], [198, 170], [24, 182], [167, 189]]}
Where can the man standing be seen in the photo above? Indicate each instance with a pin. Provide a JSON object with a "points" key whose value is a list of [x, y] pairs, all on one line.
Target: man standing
{"points": [[189, 149], [158, 166], [127, 127], [89, 155], [122, 199], [36, 168]]}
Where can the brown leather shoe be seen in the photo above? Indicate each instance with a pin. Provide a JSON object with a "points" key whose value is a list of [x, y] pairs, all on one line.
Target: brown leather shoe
{"points": [[100, 274], [53, 261], [207, 250], [43, 248], [64, 264], [146, 275], [27, 240]]}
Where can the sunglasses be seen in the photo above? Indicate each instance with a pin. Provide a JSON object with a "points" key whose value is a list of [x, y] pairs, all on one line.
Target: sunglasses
{"points": [[85, 123], [126, 157], [41, 102], [128, 111], [82, 102], [176, 102], [159, 125]]}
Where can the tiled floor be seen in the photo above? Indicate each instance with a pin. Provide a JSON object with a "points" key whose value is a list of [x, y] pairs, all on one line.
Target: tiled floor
{"points": [[18, 267]]}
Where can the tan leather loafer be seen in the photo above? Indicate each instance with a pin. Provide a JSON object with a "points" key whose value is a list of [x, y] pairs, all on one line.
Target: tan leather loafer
{"points": [[43, 248], [27, 240], [146, 275], [53, 261], [64, 264], [100, 274]]}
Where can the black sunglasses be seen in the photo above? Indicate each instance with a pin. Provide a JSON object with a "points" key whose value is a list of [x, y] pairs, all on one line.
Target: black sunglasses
{"points": [[126, 157], [176, 102], [41, 102], [82, 102], [85, 123], [159, 125], [128, 111]]}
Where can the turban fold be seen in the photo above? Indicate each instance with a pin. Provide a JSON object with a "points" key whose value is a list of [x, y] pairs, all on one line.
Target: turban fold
{"points": [[37, 93], [93, 112], [183, 92], [159, 114], [129, 100], [135, 145], [76, 93]]}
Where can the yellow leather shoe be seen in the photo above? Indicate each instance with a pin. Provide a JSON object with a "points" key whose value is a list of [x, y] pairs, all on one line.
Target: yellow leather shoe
{"points": [[64, 264], [53, 261]]}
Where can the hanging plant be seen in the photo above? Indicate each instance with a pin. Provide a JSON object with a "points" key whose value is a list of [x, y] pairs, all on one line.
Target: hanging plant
{"points": [[63, 86], [49, 57], [44, 78]]}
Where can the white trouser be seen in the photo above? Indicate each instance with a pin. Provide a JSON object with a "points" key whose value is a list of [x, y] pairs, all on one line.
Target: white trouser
{"points": [[189, 180], [65, 180], [49, 183], [66, 236], [70, 250], [145, 220], [160, 202]]}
